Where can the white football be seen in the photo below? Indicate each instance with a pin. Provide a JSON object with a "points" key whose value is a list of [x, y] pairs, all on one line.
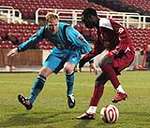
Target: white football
{"points": [[109, 114]]}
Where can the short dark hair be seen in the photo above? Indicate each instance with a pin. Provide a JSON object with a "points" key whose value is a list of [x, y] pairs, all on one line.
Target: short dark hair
{"points": [[90, 12]]}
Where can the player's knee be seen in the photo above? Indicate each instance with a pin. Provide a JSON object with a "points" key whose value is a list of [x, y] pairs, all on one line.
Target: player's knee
{"points": [[69, 68], [44, 71]]}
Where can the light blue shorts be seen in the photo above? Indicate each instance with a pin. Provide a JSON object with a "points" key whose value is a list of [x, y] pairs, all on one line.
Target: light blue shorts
{"points": [[57, 58]]}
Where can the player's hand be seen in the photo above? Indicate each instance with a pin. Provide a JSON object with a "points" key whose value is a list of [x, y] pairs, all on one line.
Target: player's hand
{"points": [[112, 53], [115, 52], [13, 52]]}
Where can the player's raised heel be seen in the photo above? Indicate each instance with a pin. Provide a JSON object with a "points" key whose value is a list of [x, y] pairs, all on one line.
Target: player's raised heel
{"points": [[87, 116], [25, 102], [119, 97], [71, 101]]}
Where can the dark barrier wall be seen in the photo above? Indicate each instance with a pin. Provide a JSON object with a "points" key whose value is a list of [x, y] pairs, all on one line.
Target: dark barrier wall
{"points": [[27, 58]]}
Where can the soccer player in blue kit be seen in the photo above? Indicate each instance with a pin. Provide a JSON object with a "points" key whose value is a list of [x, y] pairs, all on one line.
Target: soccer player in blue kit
{"points": [[69, 45]]}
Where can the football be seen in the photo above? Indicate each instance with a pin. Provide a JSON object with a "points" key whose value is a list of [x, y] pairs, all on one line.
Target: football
{"points": [[109, 114]]}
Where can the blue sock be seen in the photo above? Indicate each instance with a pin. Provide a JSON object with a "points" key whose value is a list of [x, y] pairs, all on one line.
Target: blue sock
{"points": [[37, 87], [70, 82]]}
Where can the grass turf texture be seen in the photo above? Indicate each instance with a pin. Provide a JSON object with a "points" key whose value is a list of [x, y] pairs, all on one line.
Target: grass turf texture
{"points": [[51, 110]]}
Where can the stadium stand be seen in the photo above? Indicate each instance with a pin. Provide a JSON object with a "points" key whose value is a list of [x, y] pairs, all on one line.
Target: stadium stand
{"points": [[28, 7], [139, 6], [23, 32], [142, 5], [140, 37]]}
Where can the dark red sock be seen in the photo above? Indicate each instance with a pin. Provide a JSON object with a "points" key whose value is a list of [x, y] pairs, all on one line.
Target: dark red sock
{"points": [[108, 69], [97, 94]]}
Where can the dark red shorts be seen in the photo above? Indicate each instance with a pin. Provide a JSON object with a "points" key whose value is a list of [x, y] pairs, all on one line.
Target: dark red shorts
{"points": [[121, 63]]}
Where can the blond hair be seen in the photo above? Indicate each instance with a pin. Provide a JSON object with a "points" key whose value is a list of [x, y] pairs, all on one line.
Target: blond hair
{"points": [[51, 15]]}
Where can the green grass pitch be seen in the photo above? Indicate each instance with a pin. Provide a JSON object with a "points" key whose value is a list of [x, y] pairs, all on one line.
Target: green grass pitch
{"points": [[51, 110]]}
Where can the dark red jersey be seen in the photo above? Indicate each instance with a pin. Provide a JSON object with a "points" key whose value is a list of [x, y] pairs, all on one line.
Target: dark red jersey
{"points": [[111, 36]]}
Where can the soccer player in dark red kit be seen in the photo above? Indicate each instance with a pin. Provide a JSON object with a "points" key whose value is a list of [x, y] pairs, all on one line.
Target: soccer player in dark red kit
{"points": [[120, 53]]}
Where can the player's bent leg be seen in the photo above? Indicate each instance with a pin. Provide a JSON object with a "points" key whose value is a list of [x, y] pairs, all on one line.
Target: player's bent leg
{"points": [[69, 69], [120, 95], [120, 64], [107, 68]]}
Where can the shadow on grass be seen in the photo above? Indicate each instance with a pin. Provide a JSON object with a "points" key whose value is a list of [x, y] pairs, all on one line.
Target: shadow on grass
{"points": [[140, 119], [83, 124], [29, 119], [50, 119]]}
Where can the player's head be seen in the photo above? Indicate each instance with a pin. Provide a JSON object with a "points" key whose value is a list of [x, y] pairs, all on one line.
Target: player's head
{"points": [[52, 21], [90, 18]]}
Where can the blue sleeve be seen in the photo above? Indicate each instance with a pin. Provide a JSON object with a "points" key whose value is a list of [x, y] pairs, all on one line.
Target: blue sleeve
{"points": [[77, 39], [35, 38]]}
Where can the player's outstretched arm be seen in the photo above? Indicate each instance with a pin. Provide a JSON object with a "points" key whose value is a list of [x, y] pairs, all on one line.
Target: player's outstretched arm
{"points": [[13, 52]]}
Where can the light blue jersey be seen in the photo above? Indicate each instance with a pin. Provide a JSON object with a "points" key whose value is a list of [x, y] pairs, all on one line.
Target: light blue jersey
{"points": [[69, 45]]}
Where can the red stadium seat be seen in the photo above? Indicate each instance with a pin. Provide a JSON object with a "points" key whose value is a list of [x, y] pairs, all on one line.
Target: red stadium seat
{"points": [[140, 4], [28, 7]]}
